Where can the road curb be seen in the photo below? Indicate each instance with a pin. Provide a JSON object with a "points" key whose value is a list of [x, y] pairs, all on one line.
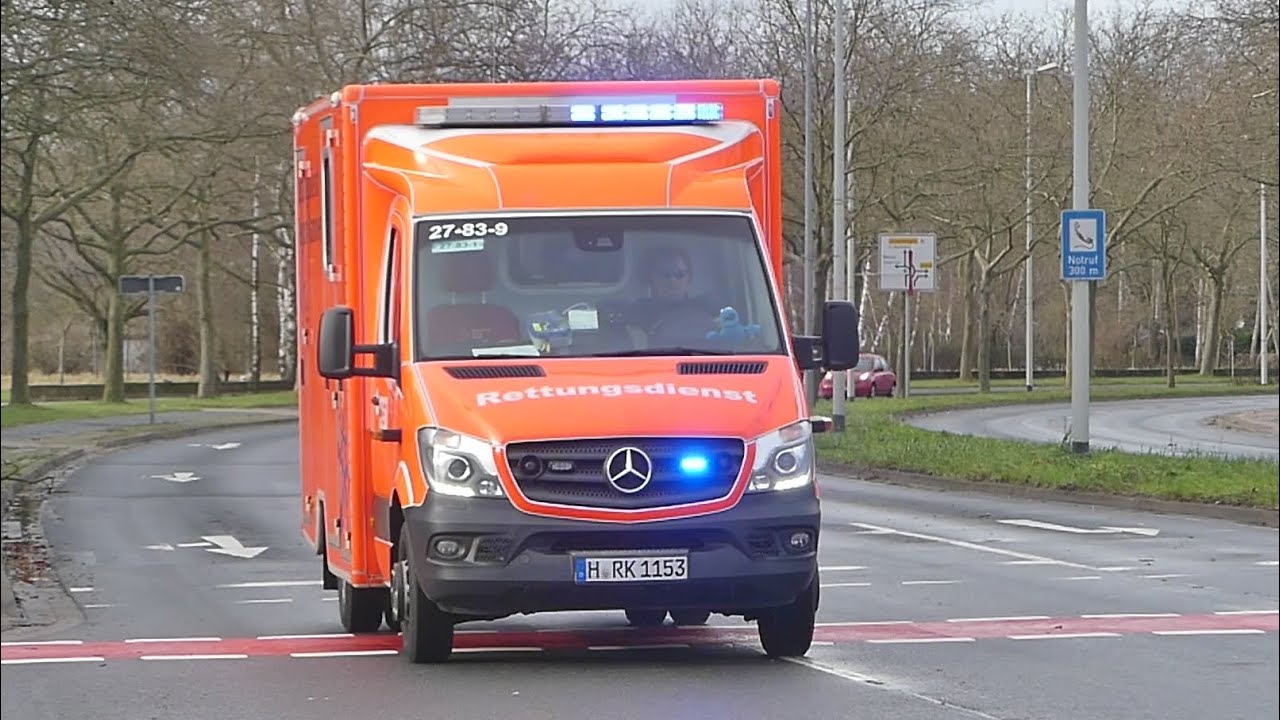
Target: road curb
{"points": [[10, 610], [1234, 513]]}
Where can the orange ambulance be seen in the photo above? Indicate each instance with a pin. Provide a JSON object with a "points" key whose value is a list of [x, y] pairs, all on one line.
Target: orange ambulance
{"points": [[544, 360]]}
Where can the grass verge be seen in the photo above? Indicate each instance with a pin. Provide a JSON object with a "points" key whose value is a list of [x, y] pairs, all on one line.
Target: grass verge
{"points": [[876, 437], [12, 415]]}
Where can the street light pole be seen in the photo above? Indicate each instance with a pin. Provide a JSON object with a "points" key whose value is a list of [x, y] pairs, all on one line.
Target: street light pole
{"points": [[1262, 279], [811, 377], [839, 197], [1030, 325]]}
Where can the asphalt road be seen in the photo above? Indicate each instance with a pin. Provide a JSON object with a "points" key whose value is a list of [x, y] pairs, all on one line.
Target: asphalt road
{"points": [[934, 605], [1145, 426]]}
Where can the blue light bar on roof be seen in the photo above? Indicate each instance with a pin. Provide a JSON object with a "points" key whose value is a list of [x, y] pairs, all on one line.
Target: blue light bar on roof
{"points": [[622, 113]]}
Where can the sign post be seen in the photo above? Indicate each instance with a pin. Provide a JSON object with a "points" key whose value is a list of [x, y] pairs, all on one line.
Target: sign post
{"points": [[907, 265], [150, 285], [1084, 260]]}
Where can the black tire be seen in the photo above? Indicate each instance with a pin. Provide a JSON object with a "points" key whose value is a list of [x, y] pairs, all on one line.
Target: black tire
{"points": [[690, 617], [645, 618], [427, 631], [361, 609], [787, 631]]}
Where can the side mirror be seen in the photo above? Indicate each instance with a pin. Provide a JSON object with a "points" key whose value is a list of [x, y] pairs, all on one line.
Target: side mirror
{"points": [[336, 349], [840, 346], [808, 350]]}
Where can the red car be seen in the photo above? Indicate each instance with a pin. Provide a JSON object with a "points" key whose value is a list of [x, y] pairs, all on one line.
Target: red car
{"points": [[870, 377]]}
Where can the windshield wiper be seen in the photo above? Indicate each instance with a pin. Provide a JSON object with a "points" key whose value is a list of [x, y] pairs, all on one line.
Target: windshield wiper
{"points": [[669, 350]]}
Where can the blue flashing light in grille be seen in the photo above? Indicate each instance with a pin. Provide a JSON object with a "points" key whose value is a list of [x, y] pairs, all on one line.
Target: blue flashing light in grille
{"points": [[694, 464], [622, 113]]}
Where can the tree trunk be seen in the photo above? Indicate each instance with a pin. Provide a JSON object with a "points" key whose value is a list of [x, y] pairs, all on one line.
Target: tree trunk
{"points": [[1171, 330], [966, 331], [208, 386], [984, 332], [286, 350], [20, 392], [113, 371], [1213, 320]]}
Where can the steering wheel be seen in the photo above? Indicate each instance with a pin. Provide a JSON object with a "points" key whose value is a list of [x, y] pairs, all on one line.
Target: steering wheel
{"points": [[680, 327]]}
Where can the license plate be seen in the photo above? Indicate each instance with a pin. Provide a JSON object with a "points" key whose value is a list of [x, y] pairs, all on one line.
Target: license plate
{"points": [[635, 568]]}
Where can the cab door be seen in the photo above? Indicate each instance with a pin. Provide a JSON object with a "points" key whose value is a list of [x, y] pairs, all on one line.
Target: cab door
{"points": [[383, 412]]}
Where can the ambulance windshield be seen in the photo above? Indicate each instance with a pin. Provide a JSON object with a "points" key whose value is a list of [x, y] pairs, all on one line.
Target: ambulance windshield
{"points": [[592, 285]]}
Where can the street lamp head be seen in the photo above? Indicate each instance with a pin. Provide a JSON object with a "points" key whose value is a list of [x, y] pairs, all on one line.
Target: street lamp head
{"points": [[1047, 67]]}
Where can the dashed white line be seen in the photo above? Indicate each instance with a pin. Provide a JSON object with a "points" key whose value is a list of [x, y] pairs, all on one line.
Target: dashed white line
{"points": [[1029, 562], [1247, 612], [512, 648], [846, 584], [998, 619], [1102, 616], [173, 640], [863, 623], [264, 601], [1166, 576], [224, 656], [1224, 631], [1115, 568], [970, 546], [97, 606], [42, 661], [895, 641], [343, 653], [35, 643], [272, 584], [930, 582], [653, 646], [1268, 563], [313, 636], [857, 677], [80, 589], [1083, 577], [1060, 636], [837, 568]]}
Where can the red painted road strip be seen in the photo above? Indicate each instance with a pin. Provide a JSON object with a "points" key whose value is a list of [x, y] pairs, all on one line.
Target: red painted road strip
{"points": [[582, 639]]}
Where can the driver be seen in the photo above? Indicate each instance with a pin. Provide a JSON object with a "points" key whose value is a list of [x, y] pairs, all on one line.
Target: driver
{"points": [[671, 311]]}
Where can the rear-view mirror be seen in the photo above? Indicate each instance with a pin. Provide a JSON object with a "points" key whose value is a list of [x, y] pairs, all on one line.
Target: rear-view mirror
{"points": [[335, 351], [840, 346]]}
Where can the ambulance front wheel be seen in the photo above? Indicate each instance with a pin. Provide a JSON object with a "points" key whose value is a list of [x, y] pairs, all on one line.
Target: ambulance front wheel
{"points": [[787, 631], [426, 630], [361, 609]]}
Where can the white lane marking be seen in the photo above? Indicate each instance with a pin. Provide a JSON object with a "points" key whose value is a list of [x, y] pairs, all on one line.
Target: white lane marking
{"points": [[313, 636], [225, 656], [329, 599], [846, 584], [875, 531], [230, 546], [930, 582], [868, 680], [201, 543], [1083, 577], [1268, 563], [264, 601], [96, 606], [1225, 631], [1102, 616], [1246, 612], [80, 589], [42, 661], [516, 648], [38, 643], [895, 641], [173, 640], [651, 646], [1057, 636], [1166, 576], [837, 568], [973, 546], [863, 623], [1103, 530], [343, 653], [1115, 568], [1028, 562], [271, 584], [998, 619]]}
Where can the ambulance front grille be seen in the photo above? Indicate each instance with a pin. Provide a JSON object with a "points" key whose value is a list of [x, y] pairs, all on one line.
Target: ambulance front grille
{"points": [[572, 472]]}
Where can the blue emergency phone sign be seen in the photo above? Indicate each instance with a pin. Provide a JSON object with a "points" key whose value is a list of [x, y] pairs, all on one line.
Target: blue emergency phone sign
{"points": [[1084, 244]]}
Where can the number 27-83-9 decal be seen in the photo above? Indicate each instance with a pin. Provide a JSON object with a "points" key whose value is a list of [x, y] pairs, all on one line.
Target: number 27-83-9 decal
{"points": [[463, 236]]}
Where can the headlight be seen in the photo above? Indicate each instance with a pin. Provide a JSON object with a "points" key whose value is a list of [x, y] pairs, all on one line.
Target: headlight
{"points": [[458, 464], [784, 459], [865, 376]]}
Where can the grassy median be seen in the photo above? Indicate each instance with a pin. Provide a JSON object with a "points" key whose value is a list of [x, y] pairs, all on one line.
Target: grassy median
{"points": [[876, 437], [11, 415]]}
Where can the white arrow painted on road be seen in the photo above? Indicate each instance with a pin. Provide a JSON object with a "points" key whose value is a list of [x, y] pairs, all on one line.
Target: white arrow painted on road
{"points": [[220, 446], [1104, 530], [228, 545], [161, 546], [178, 477]]}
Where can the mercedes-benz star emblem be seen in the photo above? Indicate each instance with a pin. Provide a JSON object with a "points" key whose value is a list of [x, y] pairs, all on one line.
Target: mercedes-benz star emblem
{"points": [[628, 469]]}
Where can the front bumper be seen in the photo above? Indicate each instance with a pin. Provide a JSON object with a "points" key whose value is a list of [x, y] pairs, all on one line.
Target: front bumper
{"points": [[738, 559]]}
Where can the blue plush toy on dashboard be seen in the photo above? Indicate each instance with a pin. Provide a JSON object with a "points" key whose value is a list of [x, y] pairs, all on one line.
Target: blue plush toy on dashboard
{"points": [[549, 331], [732, 331]]}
